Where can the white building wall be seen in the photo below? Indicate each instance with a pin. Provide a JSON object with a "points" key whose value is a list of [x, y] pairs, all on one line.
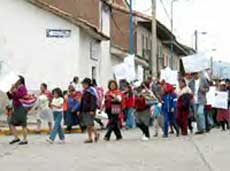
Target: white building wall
{"points": [[106, 63], [85, 61], [41, 59]]}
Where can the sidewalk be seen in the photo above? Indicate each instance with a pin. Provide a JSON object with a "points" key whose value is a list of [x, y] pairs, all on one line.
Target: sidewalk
{"points": [[32, 126]]}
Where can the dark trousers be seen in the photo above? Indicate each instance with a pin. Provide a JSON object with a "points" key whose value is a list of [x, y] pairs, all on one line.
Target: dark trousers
{"points": [[190, 127], [99, 122], [113, 126], [182, 120], [223, 123], [207, 124], [144, 129]]}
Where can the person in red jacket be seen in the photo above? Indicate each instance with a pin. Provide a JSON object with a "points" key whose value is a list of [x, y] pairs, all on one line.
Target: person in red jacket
{"points": [[142, 113], [129, 107], [113, 108], [185, 98]]}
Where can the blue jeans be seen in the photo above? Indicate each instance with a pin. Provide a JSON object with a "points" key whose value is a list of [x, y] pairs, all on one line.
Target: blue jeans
{"points": [[200, 116], [57, 129], [169, 117], [129, 118]]}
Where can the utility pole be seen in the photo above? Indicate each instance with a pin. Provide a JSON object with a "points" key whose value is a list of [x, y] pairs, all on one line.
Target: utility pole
{"points": [[131, 50], [172, 37], [196, 33], [154, 58], [196, 40]]}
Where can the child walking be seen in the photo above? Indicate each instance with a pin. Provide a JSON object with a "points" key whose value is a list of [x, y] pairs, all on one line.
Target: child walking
{"points": [[169, 108], [142, 106], [57, 108], [43, 108]]}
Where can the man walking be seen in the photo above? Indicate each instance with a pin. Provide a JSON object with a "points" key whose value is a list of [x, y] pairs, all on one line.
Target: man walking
{"points": [[200, 87]]}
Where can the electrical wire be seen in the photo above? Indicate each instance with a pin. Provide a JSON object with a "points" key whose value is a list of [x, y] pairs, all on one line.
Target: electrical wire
{"points": [[166, 12]]}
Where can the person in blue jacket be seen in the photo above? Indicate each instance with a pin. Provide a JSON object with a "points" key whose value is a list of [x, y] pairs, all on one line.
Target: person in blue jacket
{"points": [[169, 108], [73, 102]]}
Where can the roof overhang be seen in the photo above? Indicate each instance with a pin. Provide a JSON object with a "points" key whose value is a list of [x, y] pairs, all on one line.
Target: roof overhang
{"points": [[177, 47], [119, 52], [89, 28]]}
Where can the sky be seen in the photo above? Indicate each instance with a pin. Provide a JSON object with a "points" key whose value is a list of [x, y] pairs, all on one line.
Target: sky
{"points": [[209, 16]]}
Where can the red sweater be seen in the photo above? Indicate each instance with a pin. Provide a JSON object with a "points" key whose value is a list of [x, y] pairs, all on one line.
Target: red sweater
{"points": [[130, 102], [140, 104]]}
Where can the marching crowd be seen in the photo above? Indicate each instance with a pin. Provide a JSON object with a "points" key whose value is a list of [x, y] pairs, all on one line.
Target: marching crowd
{"points": [[153, 103]]}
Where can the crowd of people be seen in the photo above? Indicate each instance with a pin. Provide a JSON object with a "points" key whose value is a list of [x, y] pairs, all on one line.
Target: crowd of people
{"points": [[166, 107]]}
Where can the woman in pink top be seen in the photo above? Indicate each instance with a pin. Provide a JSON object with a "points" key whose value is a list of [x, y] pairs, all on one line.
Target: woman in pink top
{"points": [[19, 115]]}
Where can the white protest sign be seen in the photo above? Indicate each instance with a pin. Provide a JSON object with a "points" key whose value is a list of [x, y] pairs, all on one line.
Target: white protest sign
{"points": [[195, 63], [125, 70], [211, 95], [7, 77], [220, 100], [130, 68], [170, 76], [120, 71], [140, 73]]}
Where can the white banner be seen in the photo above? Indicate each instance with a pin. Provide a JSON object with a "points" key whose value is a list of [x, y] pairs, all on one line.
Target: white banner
{"points": [[220, 100], [195, 63], [130, 68], [170, 76], [120, 71], [125, 70], [140, 73], [211, 95]]}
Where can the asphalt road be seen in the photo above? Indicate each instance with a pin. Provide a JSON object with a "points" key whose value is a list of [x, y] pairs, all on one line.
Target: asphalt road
{"points": [[207, 152]]}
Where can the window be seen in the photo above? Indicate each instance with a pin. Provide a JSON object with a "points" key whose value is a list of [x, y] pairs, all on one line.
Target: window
{"points": [[150, 47], [165, 60], [94, 72], [143, 41], [94, 50], [147, 43]]}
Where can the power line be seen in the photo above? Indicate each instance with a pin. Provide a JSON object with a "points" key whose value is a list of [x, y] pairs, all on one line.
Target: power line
{"points": [[164, 7], [146, 10]]}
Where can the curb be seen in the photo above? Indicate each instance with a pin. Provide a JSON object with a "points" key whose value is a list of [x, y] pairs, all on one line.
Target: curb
{"points": [[6, 132]]}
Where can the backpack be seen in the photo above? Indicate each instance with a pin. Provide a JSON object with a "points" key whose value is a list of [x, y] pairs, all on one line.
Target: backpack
{"points": [[100, 95]]}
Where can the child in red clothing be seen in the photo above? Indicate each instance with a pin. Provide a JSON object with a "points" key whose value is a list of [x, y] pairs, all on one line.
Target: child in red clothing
{"points": [[129, 107], [142, 113]]}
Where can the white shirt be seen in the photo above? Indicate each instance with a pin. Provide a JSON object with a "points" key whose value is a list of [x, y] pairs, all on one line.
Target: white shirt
{"points": [[197, 86], [78, 87], [58, 102], [43, 102]]}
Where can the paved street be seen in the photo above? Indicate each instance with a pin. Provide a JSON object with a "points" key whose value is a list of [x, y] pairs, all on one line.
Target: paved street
{"points": [[200, 153]]}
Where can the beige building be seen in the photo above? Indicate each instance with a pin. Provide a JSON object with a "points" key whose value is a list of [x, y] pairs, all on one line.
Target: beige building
{"points": [[143, 40]]}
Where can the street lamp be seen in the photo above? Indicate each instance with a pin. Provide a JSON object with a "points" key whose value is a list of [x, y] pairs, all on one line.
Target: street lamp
{"points": [[196, 33]]}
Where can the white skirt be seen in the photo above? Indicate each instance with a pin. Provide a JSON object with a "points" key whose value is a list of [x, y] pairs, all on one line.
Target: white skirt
{"points": [[45, 114]]}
